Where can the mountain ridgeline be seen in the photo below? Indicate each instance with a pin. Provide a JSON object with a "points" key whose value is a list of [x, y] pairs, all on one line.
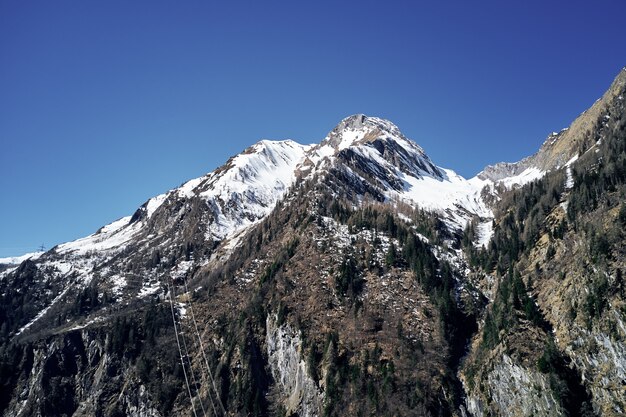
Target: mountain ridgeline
{"points": [[353, 277]]}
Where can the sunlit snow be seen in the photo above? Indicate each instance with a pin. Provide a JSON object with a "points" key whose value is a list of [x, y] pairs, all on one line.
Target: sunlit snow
{"points": [[484, 231], [154, 203], [526, 176], [15, 260], [252, 185], [111, 236]]}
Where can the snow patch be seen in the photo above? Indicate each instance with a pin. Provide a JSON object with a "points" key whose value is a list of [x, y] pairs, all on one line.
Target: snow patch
{"points": [[349, 137], [187, 189], [571, 161], [455, 197], [154, 203], [87, 323], [148, 288], [484, 231], [118, 283], [569, 181], [528, 175], [43, 312]]}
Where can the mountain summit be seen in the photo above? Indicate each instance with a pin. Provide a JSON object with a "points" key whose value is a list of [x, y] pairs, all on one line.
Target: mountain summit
{"points": [[350, 277], [385, 137]]}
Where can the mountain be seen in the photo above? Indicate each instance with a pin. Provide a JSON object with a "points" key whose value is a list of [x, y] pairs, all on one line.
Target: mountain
{"points": [[553, 330], [562, 148], [349, 277]]}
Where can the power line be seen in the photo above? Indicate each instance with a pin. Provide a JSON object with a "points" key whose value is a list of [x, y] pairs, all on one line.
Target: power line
{"points": [[206, 361], [193, 377], [180, 351]]}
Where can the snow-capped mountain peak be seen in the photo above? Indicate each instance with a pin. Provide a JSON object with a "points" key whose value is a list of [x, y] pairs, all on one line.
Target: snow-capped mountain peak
{"points": [[397, 168], [360, 129], [364, 134]]}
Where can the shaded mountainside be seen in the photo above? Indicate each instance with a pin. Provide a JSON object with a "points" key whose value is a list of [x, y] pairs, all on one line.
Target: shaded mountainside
{"points": [[354, 277]]}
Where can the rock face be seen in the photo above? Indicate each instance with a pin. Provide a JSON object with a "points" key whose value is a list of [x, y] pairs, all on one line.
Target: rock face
{"points": [[284, 353], [67, 376], [352, 277], [515, 390]]}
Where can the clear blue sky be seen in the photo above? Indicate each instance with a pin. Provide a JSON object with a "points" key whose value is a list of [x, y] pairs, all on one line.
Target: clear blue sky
{"points": [[104, 104]]}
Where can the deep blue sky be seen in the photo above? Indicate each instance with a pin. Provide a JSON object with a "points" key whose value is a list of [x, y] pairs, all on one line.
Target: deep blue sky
{"points": [[104, 104]]}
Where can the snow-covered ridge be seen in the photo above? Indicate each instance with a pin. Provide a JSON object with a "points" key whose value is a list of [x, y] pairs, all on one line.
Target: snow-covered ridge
{"points": [[249, 185], [434, 188], [15, 260], [240, 193], [528, 175], [111, 236]]}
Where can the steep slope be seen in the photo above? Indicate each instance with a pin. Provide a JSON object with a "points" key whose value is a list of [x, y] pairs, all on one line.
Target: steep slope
{"points": [[198, 215], [236, 195], [555, 328], [99, 304]]}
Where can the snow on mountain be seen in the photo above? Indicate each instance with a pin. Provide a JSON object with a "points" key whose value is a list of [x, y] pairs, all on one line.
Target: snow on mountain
{"points": [[403, 170], [239, 194], [528, 175], [15, 260], [484, 231], [358, 130], [453, 196], [154, 203], [222, 205], [250, 185], [111, 236], [457, 198], [560, 149]]}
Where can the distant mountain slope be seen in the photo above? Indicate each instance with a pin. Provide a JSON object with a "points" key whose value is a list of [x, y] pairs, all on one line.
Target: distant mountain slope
{"points": [[563, 147]]}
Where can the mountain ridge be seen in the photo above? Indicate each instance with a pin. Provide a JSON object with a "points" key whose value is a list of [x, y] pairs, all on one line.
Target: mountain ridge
{"points": [[559, 148]]}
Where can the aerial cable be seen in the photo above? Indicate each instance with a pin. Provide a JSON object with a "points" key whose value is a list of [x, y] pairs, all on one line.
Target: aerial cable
{"points": [[202, 374], [206, 361], [180, 351], [193, 377]]}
